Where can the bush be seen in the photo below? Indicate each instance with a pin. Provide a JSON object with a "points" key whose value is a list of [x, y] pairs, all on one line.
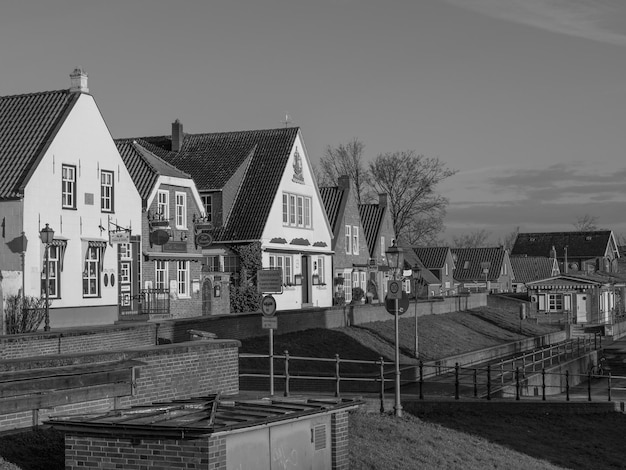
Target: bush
{"points": [[24, 314], [357, 294], [244, 299]]}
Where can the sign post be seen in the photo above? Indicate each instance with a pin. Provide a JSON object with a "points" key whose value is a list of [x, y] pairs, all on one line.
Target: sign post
{"points": [[269, 321], [395, 293]]}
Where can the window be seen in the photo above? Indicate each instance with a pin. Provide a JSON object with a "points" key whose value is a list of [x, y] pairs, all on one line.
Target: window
{"points": [[68, 186], [297, 210], [124, 272], [555, 302], [446, 269], [362, 274], [207, 202], [355, 240], [181, 210], [232, 264], [348, 286], [160, 274], [163, 204], [54, 278], [285, 209], [348, 239], [318, 270], [382, 246], [182, 276], [91, 274], [285, 263], [106, 191], [292, 210]]}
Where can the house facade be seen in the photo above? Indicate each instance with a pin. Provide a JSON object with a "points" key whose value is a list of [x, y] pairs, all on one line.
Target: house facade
{"points": [[351, 261], [264, 207], [580, 299], [174, 280], [440, 262], [487, 269], [61, 170], [380, 236]]}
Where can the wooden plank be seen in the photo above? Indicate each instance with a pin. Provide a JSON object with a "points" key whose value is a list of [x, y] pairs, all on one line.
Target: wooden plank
{"points": [[63, 397], [63, 382]]}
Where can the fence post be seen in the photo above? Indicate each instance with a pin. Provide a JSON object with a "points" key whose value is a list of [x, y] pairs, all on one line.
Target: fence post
{"points": [[456, 381], [517, 384], [501, 372], [567, 385], [337, 376], [421, 379], [488, 382], [595, 341], [286, 373], [475, 383], [589, 385], [609, 385], [578, 346], [543, 384], [382, 384]]}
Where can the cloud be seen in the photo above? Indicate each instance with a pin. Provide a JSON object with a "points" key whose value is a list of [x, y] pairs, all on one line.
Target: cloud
{"points": [[598, 20]]}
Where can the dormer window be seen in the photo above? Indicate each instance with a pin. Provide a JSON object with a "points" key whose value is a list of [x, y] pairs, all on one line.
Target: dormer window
{"points": [[466, 265]]}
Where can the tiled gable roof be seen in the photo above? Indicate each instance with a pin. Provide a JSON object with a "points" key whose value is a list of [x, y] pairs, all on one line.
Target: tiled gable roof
{"points": [[432, 257], [28, 124], [371, 220], [212, 159], [579, 244], [532, 268], [145, 167], [468, 263], [331, 198]]}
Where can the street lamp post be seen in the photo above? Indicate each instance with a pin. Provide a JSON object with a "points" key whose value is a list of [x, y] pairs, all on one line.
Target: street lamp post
{"points": [[417, 275], [47, 235], [394, 258]]}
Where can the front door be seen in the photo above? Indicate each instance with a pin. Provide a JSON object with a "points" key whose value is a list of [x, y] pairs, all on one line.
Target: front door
{"points": [[207, 296], [306, 280], [581, 308]]}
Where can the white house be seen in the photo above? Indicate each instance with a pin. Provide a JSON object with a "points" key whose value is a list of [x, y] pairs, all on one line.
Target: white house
{"points": [[60, 168]]}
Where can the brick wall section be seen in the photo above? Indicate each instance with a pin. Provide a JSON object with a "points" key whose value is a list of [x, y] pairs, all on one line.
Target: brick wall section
{"points": [[169, 372], [217, 453], [340, 441], [108, 452]]}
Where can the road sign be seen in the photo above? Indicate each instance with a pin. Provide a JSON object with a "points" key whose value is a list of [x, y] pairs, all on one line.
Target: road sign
{"points": [[394, 289], [269, 323], [119, 237], [403, 304], [270, 281], [268, 306]]}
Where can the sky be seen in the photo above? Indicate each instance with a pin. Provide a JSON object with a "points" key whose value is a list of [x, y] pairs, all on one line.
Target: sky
{"points": [[525, 99]]}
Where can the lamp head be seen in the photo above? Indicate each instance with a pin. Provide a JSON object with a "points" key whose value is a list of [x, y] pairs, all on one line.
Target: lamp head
{"points": [[46, 234]]}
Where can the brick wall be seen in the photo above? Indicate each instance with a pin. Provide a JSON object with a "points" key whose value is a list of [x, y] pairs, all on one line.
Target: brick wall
{"points": [[155, 454], [168, 372], [340, 440]]}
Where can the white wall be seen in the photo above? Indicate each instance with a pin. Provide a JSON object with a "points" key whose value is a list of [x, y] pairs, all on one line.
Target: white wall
{"points": [[83, 141]]}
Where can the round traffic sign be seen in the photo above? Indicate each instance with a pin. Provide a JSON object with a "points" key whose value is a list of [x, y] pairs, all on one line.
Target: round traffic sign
{"points": [[403, 304], [394, 287], [268, 306]]}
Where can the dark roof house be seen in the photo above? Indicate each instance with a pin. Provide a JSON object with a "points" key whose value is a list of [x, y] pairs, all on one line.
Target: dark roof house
{"points": [[483, 268]]}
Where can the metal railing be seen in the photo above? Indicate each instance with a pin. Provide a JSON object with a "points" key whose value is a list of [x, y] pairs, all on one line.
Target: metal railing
{"points": [[487, 381], [147, 301]]}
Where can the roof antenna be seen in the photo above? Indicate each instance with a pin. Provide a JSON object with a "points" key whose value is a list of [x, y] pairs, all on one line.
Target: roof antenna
{"points": [[287, 120]]}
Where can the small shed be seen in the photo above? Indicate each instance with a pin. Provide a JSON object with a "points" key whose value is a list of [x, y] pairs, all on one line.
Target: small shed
{"points": [[209, 432]]}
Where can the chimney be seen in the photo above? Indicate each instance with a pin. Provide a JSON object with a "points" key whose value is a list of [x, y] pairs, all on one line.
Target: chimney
{"points": [[79, 81], [565, 263], [344, 182], [177, 136], [382, 199]]}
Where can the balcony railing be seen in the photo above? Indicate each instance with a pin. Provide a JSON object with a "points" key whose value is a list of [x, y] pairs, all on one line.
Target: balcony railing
{"points": [[147, 302]]}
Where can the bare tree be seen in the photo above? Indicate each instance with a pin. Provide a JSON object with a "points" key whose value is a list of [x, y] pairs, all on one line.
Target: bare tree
{"points": [[345, 160], [509, 240], [476, 239], [409, 180], [586, 223]]}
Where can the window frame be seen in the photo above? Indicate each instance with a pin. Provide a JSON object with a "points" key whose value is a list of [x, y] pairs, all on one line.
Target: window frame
{"points": [[163, 204], [180, 210], [182, 278], [297, 210], [355, 240], [348, 238], [92, 275], [54, 275], [107, 201], [68, 187], [207, 203], [161, 274]]}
